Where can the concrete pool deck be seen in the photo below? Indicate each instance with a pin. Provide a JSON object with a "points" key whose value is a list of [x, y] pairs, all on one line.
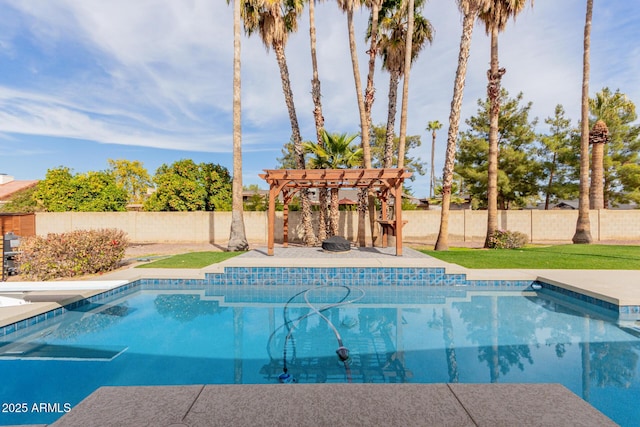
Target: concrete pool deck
{"points": [[330, 404]]}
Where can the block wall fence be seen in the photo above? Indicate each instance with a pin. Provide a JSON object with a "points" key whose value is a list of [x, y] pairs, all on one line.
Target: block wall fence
{"points": [[464, 225]]}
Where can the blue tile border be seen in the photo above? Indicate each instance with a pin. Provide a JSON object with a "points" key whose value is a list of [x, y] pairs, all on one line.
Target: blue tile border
{"points": [[52, 314], [621, 311], [306, 276]]}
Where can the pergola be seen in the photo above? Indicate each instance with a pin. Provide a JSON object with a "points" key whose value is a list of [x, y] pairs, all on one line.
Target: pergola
{"points": [[385, 182]]}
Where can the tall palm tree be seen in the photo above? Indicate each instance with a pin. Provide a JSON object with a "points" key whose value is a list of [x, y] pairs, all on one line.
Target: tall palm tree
{"points": [[274, 20], [336, 152], [392, 48], [583, 225], [349, 6], [616, 110], [598, 137], [316, 95], [470, 10], [495, 18], [237, 237], [408, 56], [433, 127], [369, 97]]}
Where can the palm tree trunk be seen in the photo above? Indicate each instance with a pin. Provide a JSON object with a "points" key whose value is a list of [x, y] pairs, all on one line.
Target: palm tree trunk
{"points": [[368, 104], [394, 78], [335, 213], [449, 345], [319, 118], [583, 225], [551, 176], [237, 237], [364, 125], [433, 170], [307, 226], [596, 190], [493, 92], [442, 242]]}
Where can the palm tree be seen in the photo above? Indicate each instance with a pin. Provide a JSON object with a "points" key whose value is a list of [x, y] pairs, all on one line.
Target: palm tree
{"points": [[237, 237], [316, 95], [470, 10], [336, 152], [408, 56], [598, 136], [369, 97], [616, 111], [392, 47], [433, 127], [495, 18], [274, 20], [349, 6], [583, 225]]}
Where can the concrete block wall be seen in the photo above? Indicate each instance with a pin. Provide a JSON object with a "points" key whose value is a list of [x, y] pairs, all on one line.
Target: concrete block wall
{"points": [[422, 226]]}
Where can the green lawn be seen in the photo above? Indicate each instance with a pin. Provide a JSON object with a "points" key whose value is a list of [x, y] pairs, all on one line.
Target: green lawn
{"points": [[190, 260], [584, 257]]}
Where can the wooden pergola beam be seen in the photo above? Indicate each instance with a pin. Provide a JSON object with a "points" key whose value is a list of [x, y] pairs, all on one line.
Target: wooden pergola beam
{"points": [[290, 181]]}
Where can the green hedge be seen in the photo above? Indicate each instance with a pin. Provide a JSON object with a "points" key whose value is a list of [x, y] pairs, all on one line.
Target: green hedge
{"points": [[71, 254]]}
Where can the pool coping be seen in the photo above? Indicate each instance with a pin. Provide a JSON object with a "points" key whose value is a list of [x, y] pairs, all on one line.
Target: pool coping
{"points": [[335, 404]]}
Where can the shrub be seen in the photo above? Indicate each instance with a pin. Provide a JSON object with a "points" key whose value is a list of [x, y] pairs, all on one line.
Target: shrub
{"points": [[507, 239], [71, 254]]}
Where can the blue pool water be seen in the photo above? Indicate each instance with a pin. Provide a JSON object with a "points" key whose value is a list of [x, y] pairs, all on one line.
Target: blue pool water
{"points": [[249, 334]]}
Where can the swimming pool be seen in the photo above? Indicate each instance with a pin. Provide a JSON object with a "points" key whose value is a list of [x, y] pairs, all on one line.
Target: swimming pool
{"points": [[241, 334]]}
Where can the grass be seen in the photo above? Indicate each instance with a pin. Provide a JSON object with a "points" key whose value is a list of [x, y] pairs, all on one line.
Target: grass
{"points": [[191, 260], [584, 257]]}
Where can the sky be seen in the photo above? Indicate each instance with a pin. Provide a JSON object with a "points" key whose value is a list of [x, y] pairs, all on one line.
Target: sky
{"points": [[84, 81]]}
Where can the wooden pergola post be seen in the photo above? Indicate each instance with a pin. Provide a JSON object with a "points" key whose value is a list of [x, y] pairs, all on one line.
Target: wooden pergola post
{"points": [[398, 214], [289, 181], [273, 193]]}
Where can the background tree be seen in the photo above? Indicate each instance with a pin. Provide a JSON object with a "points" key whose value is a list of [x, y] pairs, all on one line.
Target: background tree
{"points": [[379, 145], [495, 18], [237, 235], [519, 170], [132, 177], [22, 202], [583, 224], [54, 190], [433, 127], [288, 156], [187, 186], [61, 191], [97, 191], [218, 186], [558, 158], [469, 10]]}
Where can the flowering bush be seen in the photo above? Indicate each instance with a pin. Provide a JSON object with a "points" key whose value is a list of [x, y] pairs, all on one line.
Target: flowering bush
{"points": [[507, 239], [71, 254]]}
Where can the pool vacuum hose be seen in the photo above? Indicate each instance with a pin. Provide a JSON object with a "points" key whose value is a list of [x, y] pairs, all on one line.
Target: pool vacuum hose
{"points": [[342, 351]]}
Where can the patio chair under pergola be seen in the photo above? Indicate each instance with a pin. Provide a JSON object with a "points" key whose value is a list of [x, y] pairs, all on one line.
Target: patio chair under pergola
{"points": [[384, 182]]}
